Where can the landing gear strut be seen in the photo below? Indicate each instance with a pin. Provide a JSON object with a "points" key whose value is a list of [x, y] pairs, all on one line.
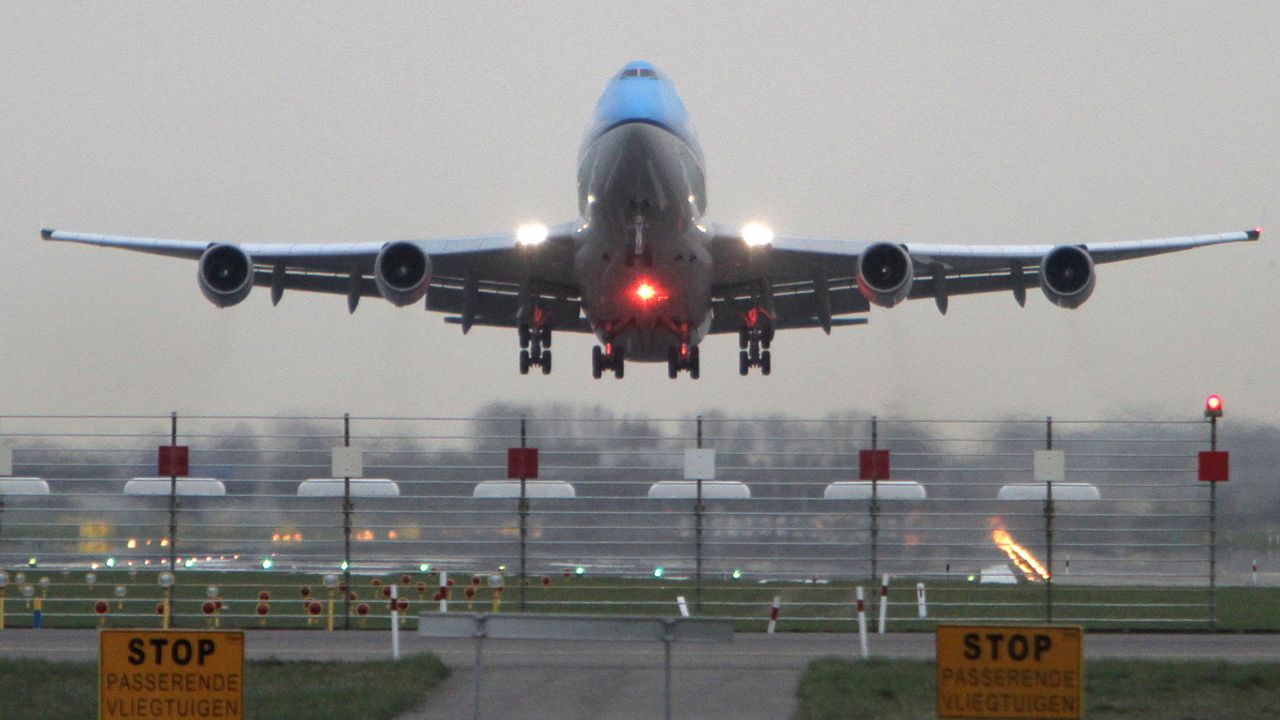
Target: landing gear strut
{"points": [[532, 342], [685, 357], [750, 342], [611, 357]]}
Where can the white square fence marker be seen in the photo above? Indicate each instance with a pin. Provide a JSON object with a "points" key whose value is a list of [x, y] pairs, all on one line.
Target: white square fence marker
{"points": [[1050, 466], [348, 462], [700, 464]]}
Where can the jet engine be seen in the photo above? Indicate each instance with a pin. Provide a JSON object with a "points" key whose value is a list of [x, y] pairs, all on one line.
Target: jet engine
{"points": [[402, 273], [885, 274], [1067, 276], [225, 274]]}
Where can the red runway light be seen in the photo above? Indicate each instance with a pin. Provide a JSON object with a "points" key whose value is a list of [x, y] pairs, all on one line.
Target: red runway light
{"points": [[1213, 406]]}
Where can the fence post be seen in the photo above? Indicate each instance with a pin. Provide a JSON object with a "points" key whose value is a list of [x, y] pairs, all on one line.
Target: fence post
{"points": [[874, 509], [1048, 527], [173, 518], [347, 507], [524, 515], [697, 533], [1213, 532]]}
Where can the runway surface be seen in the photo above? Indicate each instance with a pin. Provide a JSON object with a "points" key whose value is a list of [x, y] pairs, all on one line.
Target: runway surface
{"points": [[752, 677]]}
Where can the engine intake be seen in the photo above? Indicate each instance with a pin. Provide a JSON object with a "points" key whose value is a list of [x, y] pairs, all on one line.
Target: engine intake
{"points": [[1067, 276], [402, 273], [225, 274], [885, 274]]}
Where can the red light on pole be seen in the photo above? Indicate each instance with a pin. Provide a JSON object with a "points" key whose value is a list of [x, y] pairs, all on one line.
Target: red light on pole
{"points": [[1213, 406]]}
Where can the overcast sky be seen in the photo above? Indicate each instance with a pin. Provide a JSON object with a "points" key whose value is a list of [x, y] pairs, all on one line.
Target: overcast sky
{"points": [[966, 122]]}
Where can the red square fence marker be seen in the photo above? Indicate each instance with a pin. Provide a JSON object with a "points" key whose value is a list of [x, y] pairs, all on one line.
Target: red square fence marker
{"points": [[522, 463], [873, 465], [1214, 465], [172, 461]]}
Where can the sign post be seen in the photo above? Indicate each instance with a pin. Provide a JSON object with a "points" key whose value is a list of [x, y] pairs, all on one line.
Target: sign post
{"points": [[152, 673], [1010, 672]]}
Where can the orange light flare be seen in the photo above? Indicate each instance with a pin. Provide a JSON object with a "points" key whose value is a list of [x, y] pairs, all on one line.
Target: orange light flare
{"points": [[1020, 556], [647, 291]]}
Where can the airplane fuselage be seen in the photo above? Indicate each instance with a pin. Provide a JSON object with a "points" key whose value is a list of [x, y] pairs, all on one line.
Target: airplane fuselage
{"points": [[642, 256]]}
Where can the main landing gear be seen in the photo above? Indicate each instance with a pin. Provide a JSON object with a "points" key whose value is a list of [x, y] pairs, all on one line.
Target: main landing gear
{"points": [[611, 357], [684, 357], [532, 342], [750, 342]]}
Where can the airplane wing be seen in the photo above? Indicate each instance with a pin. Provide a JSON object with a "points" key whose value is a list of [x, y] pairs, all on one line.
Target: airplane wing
{"points": [[812, 282], [479, 280]]}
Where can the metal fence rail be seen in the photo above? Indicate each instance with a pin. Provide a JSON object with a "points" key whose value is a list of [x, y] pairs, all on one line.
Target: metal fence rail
{"points": [[775, 522]]}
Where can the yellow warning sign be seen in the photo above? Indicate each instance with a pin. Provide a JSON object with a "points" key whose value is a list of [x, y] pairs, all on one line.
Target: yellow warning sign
{"points": [[1004, 672], [170, 674]]}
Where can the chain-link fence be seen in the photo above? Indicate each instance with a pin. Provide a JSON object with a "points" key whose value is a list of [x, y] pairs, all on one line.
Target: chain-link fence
{"points": [[960, 520]]}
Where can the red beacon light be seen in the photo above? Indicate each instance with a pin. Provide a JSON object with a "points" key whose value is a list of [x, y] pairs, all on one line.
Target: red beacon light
{"points": [[1213, 406]]}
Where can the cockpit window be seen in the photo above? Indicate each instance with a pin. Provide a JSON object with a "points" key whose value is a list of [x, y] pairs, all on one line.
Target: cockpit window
{"points": [[639, 72]]}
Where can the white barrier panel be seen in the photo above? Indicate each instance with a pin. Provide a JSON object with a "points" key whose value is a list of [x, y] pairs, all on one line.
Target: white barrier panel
{"points": [[997, 575], [185, 486], [532, 489], [688, 490], [885, 490], [1061, 491], [23, 486], [360, 487]]}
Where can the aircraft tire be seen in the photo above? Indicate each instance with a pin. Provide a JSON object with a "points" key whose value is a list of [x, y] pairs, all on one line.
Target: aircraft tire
{"points": [[597, 362], [524, 362], [673, 362], [695, 363], [523, 332], [546, 336], [744, 364], [766, 362], [546, 363], [619, 362]]}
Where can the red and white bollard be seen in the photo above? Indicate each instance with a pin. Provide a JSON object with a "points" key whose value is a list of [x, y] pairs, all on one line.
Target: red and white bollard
{"points": [[684, 606], [921, 607], [884, 601], [773, 613], [862, 623], [444, 591]]}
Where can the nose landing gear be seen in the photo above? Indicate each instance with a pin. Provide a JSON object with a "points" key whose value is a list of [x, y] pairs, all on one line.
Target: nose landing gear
{"points": [[532, 342], [611, 357], [685, 357]]}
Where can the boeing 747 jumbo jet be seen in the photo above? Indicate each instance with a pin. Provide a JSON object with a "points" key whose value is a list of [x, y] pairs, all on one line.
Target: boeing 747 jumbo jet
{"points": [[642, 267]]}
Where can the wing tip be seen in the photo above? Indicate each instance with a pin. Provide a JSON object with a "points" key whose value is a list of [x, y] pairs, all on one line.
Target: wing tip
{"points": [[47, 233], [1255, 233]]}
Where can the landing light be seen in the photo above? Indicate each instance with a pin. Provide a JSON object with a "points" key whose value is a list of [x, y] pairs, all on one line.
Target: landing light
{"points": [[756, 234], [646, 292], [531, 234]]}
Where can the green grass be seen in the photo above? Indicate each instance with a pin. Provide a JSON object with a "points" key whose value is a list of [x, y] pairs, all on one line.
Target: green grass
{"points": [[274, 690], [806, 607], [834, 688]]}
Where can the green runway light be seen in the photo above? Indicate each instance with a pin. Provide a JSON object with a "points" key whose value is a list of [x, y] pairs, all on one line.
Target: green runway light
{"points": [[343, 566], [32, 562], [189, 563], [659, 572], [111, 562], [579, 570], [424, 567], [267, 563], [737, 573]]}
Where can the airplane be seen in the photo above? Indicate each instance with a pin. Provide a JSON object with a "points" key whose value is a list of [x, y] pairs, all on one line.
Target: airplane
{"points": [[642, 267]]}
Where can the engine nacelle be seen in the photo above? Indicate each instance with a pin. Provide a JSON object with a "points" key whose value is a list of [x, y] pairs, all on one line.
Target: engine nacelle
{"points": [[1067, 276], [225, 274], [885, 274], [402, 273]]}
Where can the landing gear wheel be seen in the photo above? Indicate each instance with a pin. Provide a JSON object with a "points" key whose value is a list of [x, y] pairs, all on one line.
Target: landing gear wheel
{"points": [[695, 364], [523, 332], [619, 362], [597, 362], [766, 362], [545, 334], [673, 362], [546, 363], [744, 363], [744, 336], [524, 362]]}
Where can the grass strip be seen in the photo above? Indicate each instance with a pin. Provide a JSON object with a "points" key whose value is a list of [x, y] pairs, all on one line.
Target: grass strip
{"points": [[834, 688], [274, 689]]}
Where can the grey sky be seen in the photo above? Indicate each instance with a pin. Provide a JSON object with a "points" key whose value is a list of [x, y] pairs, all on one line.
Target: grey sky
{"points": [[928, 123]]}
